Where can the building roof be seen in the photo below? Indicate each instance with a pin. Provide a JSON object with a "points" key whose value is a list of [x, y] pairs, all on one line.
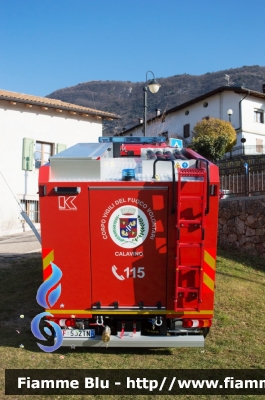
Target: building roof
{"points": [[235, 89], [31, 100]]}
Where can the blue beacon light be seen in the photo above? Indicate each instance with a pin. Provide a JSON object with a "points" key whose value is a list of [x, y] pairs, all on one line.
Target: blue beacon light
{"points": [[128, 174]]}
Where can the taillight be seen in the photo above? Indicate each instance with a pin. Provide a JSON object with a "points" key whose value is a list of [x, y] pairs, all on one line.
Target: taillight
{"points": [[196, 323], [63, 322], [187, 323], [70, 322]]}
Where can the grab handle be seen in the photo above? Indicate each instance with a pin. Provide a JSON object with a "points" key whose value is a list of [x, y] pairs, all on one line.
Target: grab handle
{"points": [[198, 165], [173, 210]]}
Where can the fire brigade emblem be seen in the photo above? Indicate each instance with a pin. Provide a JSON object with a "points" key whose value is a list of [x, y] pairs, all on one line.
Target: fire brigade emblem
{"points": [[128, 226]]}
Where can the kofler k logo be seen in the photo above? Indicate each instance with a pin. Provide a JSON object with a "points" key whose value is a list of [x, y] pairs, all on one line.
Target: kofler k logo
{"points": [[128, 226], [47, 295]]}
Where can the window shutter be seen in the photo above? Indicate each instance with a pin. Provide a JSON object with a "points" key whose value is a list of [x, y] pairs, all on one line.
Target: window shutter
{"points": [[27, 155], [60, 147]]}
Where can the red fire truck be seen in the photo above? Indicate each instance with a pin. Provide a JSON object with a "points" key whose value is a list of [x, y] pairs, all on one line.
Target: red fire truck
{"points": [[135, 239]]}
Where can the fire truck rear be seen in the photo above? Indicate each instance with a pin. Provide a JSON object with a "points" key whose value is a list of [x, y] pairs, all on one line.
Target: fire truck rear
{"points": [[135, 240]]}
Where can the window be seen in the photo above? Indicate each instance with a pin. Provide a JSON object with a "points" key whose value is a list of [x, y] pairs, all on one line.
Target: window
{"points": [[37, 154], [206, 118], [187, 112], [259, 116], [186, 130], [31, 207], [205, 104], [43, 151]]}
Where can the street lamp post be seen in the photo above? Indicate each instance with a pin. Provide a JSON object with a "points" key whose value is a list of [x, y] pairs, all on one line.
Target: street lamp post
{"points": [[229, 112], [243, 141], [153, 86]]}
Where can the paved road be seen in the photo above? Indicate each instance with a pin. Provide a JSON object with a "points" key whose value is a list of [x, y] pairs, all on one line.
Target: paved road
{"points": [[19, 244]]}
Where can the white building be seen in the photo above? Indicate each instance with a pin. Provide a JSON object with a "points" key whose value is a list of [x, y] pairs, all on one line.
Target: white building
{"points": [[247, 117], [31, 130]]}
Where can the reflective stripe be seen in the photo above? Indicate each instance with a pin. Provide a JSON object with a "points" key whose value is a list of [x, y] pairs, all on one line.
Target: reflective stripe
{"points": [[210, 261], [208, 281], [139, 312], [48, 259]]}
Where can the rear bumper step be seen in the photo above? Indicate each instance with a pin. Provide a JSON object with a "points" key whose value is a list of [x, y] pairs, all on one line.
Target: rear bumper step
{"points": [[137, 341]]}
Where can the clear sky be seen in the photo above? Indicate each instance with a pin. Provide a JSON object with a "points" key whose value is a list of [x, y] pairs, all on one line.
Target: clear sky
{"points": [[52, 44]]}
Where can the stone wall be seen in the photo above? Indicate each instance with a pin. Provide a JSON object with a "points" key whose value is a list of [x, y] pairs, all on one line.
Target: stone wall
{"points": [[242, 224]]}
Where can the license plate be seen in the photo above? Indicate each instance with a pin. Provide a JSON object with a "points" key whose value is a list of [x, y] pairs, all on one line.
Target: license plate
{"points": [[89, 333]]}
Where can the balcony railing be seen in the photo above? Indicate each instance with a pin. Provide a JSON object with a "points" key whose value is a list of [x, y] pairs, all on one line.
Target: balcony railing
{"points": [[245, 150]]}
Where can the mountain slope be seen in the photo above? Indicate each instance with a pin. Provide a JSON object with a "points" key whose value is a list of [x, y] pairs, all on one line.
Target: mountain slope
{"points": [[126, 98]]}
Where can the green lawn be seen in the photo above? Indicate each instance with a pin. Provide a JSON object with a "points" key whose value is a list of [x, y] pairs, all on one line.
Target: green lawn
{"points": [[236, 339]]}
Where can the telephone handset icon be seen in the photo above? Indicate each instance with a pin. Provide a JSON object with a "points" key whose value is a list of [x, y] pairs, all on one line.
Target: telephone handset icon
{"points": [[114, 270]]}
